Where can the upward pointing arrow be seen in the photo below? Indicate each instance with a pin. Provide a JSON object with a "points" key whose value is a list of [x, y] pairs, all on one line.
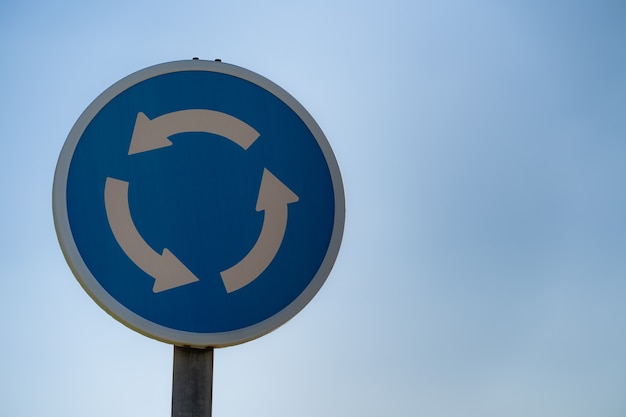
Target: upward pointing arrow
{"points": [[150, 134], [274, 196]]}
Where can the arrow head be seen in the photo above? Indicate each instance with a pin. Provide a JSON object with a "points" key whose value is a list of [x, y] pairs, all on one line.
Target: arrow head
{"points": [[273, 193], [147, 136], [172, 274]]}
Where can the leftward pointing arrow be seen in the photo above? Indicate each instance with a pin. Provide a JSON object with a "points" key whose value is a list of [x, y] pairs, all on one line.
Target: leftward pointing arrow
{"points": [[150, 134], [274, 196], [168, 272]]}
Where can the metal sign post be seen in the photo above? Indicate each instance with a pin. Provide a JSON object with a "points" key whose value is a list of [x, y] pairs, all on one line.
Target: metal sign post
{"points": [[192, 382]]}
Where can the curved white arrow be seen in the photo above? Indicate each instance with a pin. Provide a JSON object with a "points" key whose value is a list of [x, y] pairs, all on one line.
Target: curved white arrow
{"points": [[150, 134], [274, 196], [168, 272]]}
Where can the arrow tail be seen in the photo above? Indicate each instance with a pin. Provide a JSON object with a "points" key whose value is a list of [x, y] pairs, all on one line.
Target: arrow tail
{"points": [[261, 255]]}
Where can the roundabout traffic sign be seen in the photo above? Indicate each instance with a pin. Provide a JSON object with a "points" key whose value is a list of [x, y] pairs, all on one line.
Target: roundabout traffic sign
{"points": [[198, 203]]}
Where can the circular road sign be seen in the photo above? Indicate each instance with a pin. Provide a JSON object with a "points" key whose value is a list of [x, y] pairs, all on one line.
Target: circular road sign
{"points": [[198, 203]]}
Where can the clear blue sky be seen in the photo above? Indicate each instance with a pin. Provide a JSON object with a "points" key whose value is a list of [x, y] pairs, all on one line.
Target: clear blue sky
{"points": [[483, 151]]}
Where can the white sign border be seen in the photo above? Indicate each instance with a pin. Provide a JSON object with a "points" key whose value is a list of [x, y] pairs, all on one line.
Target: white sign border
{"points": [[114, 307]]}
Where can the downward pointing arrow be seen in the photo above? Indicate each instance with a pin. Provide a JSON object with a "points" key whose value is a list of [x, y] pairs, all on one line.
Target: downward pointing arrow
{"points": [[168, 272], [153, 134], [274, 196]]}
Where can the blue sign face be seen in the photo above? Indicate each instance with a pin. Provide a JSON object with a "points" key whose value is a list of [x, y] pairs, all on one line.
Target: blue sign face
{"points": [[198, 203]]}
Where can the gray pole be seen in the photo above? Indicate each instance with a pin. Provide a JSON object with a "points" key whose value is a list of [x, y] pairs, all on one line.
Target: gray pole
{"points": [[192, 384]]}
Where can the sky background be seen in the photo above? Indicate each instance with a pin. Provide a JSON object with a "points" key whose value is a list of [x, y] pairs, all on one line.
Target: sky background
{"points": [[483, 152]]}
